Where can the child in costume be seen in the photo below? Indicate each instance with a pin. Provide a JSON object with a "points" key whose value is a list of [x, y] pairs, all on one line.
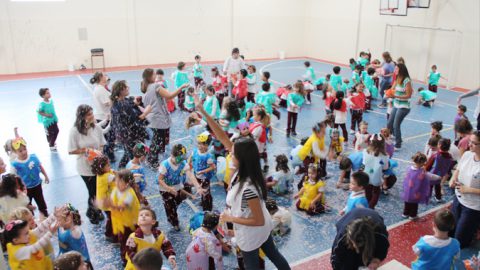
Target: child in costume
{"points": [[294, 158], [328, 97], [441, 164], [22, 252], [362, 137], [311, 197], [230, 115], [198, 72], [211, 105], [437, 251], [29, 167], [205, 250], [416, 186], [281, 181], [148, 236], [180, 77], [356, 99], [389, 144], [336, 79], [189, 99], [282, 93], [105, 185], [70, 235], [124, 208], [252, 83], [357, 199], [309, 72], [295, 100], [336, 145], [48, 117], [203, 164], [375, 161], [426, 97], [433, 78], [173, 175], [164, 83], [219, 83], [281, 217], [139, 152], [195, 125], [240, 88], [259, 132], [268, 99], [315, 150], [348, 164]]}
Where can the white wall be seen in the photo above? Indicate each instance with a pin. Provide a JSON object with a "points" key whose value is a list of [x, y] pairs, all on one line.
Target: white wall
{"points": [[332, 28], [44, 36]]}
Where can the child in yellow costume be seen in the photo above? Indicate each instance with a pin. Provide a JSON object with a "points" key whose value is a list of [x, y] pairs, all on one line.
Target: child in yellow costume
{"points": [[312, 195], [148, 236], [124, 208], [315, 151], [105, 184], [22, 253], [336, 145]]}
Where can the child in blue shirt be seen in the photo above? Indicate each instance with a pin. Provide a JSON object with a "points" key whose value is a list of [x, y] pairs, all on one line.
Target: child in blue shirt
{"points": [[135, 165], [358, 182], [198, 72], [281, 181], [202, 162], [437, 251], [28, 167], [48, 117], [427, 97]]}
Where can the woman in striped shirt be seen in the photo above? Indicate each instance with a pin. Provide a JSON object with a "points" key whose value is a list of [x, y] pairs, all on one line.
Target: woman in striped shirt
{"points": [[401, 103]]}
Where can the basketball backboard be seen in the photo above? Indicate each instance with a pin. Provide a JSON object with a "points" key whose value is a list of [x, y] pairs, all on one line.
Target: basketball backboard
{"points": [[393, 7]]}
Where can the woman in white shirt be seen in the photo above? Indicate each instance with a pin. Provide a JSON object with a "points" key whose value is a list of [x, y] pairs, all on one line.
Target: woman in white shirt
{"points": [[232, 67], [102, 105], [246, 197], [466, 203]]}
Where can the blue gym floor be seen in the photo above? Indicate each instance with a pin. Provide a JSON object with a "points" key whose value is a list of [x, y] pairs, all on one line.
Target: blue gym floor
{"points": [[309, 235]]}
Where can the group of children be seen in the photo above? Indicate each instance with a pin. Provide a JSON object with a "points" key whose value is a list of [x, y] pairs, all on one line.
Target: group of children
{"points": [[242, 111]]}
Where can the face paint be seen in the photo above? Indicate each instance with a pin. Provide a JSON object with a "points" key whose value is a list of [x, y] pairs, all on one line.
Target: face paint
{"points": [[179, 159]]}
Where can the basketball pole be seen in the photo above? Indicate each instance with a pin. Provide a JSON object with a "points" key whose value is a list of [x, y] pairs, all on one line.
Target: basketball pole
{"points": [[359, 21]]}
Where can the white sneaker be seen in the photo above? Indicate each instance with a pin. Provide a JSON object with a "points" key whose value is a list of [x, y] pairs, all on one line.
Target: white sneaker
{"points": [[352, 131], [53, 148], [308, 102]]}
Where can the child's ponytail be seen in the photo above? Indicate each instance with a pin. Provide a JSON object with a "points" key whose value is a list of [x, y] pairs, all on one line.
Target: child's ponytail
{"points": [[337, 105]]}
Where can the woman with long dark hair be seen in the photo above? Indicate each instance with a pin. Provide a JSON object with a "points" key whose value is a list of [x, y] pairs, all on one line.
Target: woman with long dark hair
{"points": [[159, 119], [361, 240], [128, 120], [401, 103], [388, 67], [86, 135], [246, 197]]}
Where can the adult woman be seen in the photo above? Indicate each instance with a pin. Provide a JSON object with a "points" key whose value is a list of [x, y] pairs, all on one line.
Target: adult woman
{"points": [[102, 106], [86, 135], [10, 196], [401, 103], [388, 67], [477, 108], [159, 120], [466, 181], [232, 67], [128, 120], [246, 200], [362, 240]]}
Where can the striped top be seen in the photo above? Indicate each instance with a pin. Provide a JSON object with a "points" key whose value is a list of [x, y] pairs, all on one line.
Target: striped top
{"points": [[400, 90]]}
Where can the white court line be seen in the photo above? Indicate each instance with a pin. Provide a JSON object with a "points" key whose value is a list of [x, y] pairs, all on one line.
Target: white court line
{"points": [[410, 119], [393, 226], [85, 84], [190, 203], [446, 104]]}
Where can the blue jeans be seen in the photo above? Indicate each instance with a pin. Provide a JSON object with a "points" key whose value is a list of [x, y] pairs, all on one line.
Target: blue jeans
{"points": [[251, 258], [467, 222], [395, 122]]}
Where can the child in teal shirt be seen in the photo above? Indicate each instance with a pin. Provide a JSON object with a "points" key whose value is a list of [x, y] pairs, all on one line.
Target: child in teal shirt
{"points": [[310, 73], [180, 77], [427, 97], [48, 117], [198, 72], [266, 98], [433, 78], [336, 78]]}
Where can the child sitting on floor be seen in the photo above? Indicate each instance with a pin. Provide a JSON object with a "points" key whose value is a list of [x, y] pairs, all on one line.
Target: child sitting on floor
{"points": [[281, 217], [311, 197], [281, 181]]}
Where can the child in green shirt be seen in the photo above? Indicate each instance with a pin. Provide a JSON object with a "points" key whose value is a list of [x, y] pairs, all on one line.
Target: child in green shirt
{"points": [[48, 117]]}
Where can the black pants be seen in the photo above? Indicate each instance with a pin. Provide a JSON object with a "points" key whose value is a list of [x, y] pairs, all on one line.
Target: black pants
{"points": [[220, 97], [433, 88], [181, 100], [160, 139], [357, 117], [291, 121], [207, 199], [410, 209], [127, 153], [251, 258], [276, 113], [36, 193], [108, 149], [91, 183], [52, 133], [171, 203], [344, 130], [251, 97]]}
